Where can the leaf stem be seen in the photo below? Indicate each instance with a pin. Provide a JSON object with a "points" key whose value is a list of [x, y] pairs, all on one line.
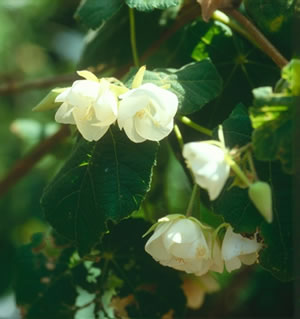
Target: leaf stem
{"points": [[192, 200], [133, 38], [185, 120], [265, 45]]}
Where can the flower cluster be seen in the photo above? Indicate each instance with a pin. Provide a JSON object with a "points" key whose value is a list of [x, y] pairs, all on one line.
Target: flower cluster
{"points": [[185, 244], [146, 112]]}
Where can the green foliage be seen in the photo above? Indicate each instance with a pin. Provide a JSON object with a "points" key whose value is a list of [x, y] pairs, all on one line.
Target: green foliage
{"points": [[270, 16], [93, 13], [94, 265], [236, 208], [100, 181], [147, 5], [272, 117], [151, 290]]}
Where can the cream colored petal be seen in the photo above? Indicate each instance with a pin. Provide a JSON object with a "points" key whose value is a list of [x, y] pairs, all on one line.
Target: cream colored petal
{"points": [[64, 114], [235, 245], [62, 96], [88, 128], [83, 93], [217, 260], [208, 165], [150, 130], [167, 100], [249, 259], [131, 132], [129, 106], [106, 108], [233, 264]]}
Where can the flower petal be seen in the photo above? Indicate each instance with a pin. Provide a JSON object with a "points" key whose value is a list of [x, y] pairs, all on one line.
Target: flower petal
{"points": [[88, 128], [235, 245], [64, 114], [150, 131], [233, 264], [106, 108]]}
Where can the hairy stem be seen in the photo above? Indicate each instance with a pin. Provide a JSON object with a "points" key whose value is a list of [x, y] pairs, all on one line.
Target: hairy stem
{"points": [[185, 120]]}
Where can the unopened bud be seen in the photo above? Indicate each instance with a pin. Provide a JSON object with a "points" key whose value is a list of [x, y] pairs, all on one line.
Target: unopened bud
{"points": [[261, 195]]}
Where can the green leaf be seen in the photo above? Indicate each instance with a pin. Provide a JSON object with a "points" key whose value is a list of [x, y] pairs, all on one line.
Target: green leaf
{"points": [[277, 257], [195, 84], [271, 117], [93, 13], [101, 181], [237, 127], [147, 5], [270, 15]]}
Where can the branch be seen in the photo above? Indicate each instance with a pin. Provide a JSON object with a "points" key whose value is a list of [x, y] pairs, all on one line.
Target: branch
{"points": [[23, 166], [13, 87], [261, 40]]}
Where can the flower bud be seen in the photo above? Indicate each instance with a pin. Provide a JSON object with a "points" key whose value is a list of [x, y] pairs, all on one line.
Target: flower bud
{"points": [[208, 165], [261, 195]]}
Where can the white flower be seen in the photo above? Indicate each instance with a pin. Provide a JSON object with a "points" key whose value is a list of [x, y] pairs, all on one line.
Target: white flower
{"points": [[237, 249], [208, 165], [180, 243], [147, 113], [91, 105]]}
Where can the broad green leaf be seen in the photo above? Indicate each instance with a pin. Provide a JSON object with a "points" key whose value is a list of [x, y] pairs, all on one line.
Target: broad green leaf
{"points": [[147, 5], [101, 181], [270, 15], [278, 255], [194, 84], [237, 127], [93, 13], [271, 117]]}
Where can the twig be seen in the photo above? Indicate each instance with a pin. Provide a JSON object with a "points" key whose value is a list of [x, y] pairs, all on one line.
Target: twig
{"points": [[13, 87], [22, 167], [261, 40]]}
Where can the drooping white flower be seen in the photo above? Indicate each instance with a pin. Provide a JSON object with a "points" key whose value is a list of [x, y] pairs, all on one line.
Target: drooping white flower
{"points": [[147, 113], [90, 105], [237, 249], [261, 195], [208, 165], [181, 243]]}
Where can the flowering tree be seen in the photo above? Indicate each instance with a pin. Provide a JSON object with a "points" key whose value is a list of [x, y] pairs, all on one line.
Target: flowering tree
{"points": [[179, 177]]}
